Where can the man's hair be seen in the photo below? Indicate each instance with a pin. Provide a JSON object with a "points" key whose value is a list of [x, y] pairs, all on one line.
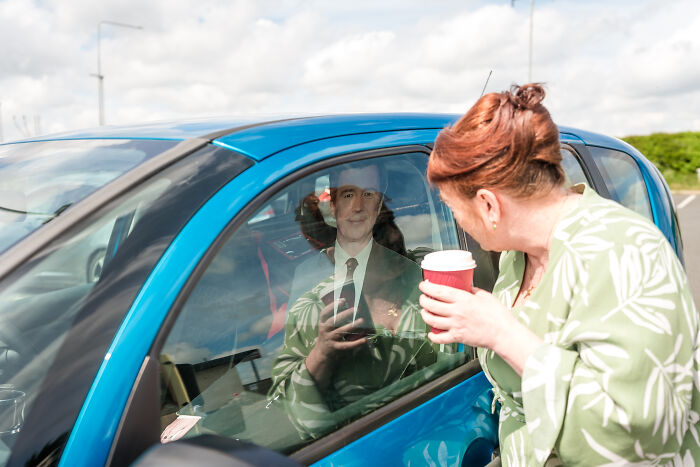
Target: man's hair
{"points": [[334, 176]]}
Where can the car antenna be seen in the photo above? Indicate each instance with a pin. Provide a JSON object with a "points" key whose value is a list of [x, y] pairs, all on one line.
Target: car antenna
{"points": [[487, 82]]}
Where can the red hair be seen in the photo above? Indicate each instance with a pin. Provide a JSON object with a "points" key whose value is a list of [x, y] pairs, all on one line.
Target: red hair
{"points": [[506, 140]]}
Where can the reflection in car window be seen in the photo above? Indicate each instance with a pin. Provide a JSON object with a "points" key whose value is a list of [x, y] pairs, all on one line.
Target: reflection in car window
{"points": [[623, 179], [234, 362], [38, 309], [40, 180]]}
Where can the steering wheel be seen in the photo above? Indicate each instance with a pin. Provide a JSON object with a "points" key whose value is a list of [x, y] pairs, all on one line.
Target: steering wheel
{"points": [[14, 352]]}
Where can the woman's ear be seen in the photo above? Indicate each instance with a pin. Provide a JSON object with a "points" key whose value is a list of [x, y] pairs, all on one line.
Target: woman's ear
{"points": [[488, 206]]}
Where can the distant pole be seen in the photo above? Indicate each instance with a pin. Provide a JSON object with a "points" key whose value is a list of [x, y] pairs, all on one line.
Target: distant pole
{"points": [[26, 126], [529, 62], [99, 75], [487, 82]]}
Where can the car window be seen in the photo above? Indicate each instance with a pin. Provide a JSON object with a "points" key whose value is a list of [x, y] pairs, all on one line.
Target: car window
{"points": [[39, 180], [38, 309], [235, 361], [572, 168], [623, 179]]}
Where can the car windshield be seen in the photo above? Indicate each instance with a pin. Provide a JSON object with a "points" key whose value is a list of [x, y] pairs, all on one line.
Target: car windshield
{"points": [[40, 180]]}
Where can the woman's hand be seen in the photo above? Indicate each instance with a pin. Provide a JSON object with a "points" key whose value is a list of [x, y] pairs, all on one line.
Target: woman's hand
{"points": [[475, 319], [330, 342], [332, 332]]}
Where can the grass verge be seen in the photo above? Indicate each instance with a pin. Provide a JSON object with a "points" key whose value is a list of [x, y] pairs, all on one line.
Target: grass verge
{"points": [[682, 182]]}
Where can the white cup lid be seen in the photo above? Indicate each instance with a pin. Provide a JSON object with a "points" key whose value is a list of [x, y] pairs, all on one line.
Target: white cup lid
{"points": [[448, 260]]}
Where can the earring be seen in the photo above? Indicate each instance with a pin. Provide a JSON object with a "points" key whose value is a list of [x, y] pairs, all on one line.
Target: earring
{"points": [[494, 226]]}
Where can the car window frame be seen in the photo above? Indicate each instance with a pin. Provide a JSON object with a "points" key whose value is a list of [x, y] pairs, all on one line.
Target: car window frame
{"points": [[590, 169], [135, 415]]}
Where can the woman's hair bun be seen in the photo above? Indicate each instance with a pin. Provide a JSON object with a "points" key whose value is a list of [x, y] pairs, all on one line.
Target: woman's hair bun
{"points": [[527, 96]]}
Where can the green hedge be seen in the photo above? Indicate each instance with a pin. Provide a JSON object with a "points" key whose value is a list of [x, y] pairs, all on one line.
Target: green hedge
{"points": [[677, 153]]}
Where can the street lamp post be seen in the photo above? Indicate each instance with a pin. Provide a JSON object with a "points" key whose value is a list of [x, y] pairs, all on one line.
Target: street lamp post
{"points": [[99, 75], [529, 50], [529, 63]]}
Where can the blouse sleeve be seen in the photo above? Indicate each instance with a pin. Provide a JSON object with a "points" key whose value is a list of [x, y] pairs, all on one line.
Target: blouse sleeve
{"points": [[615, 381], [292, 384]]}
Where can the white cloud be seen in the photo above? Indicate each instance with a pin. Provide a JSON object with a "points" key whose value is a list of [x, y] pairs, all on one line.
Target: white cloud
{"points": [[619, 67]]}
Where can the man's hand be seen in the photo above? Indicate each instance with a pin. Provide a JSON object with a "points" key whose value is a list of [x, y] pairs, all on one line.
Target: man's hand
{"points": [[331, 341]]}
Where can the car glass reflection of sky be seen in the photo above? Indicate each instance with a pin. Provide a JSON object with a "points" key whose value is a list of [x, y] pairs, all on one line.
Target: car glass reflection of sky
{"points": [[40, 180]]}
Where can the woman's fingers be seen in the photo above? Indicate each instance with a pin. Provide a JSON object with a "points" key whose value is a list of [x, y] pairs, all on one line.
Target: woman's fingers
{"points": [[326, 315], [343, 318], [435, 321], [346, 328], [441, 292], [434, 306], [346, 345], [326, 312], [442, 338]]}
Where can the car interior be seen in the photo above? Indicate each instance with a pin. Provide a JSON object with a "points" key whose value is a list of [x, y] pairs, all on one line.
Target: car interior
{"points": [[217, 359]]}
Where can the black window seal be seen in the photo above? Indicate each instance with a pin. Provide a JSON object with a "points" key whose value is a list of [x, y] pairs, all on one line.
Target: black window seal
{"points": [[362, 426], [579, 160], [590, 168]]}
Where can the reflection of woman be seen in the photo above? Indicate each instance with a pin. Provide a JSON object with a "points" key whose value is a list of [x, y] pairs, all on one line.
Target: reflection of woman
{"points": [[590, 337]]}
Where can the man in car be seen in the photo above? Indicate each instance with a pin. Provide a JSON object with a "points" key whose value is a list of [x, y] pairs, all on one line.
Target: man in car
{"points": [[357, 328]]}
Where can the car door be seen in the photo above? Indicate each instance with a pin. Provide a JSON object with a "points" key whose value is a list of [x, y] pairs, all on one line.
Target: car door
{"points": [[216, 353]]}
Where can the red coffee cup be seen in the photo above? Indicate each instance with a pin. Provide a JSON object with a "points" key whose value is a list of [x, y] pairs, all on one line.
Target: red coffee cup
{"points": [[454, 268]]}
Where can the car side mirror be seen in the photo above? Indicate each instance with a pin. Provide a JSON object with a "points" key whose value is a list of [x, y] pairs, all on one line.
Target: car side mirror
{"points": [[211, 450]]}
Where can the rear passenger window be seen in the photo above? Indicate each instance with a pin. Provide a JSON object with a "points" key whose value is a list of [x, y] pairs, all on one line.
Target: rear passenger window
{"points": [[623, 179], [284, 338]]}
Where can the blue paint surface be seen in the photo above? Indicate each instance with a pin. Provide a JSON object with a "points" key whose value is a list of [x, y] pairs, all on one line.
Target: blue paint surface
{"points": [[438, 432]]}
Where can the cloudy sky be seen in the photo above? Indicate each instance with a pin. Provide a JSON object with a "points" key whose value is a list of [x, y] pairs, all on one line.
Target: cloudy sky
{"points": [[619, 67]]}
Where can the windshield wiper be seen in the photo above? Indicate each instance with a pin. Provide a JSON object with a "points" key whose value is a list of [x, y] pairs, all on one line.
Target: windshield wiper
{"points": [[19, 211], [50, 216], [60, 210]]}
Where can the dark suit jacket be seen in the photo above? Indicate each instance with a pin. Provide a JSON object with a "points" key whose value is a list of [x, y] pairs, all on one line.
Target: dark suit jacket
{"points": [[384, 267]]}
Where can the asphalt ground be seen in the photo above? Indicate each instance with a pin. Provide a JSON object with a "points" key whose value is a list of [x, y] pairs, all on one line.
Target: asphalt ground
{"points": [[688, 207]]}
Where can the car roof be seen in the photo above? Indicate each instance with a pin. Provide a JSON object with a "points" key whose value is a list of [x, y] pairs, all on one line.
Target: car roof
{"points": [[261, 137]]}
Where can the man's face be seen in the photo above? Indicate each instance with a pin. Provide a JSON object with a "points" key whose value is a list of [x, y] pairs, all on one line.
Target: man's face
{"points": [[357, 204]]}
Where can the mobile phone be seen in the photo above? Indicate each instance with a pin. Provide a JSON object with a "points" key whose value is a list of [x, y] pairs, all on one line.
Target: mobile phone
{"points": [[364, 329]]}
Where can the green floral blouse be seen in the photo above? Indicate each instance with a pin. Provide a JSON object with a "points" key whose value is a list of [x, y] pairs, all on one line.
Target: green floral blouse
{"points": [[616, 382]]}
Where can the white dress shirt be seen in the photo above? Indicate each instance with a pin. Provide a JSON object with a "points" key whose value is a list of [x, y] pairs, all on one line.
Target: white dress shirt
{"points": [[358, 276]]}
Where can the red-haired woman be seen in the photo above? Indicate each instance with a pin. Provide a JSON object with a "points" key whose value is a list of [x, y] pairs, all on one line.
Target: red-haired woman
{"points": [[590, 337]]}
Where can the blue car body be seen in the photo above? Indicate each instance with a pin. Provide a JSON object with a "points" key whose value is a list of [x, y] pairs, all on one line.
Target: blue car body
{"points": [[449, 421]]}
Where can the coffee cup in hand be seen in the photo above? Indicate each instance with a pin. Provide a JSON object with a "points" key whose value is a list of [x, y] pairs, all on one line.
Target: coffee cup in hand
{"points": [[454, 268]]}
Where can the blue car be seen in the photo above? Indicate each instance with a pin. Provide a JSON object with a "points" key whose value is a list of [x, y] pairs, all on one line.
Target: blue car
{"points": [[147, 275]]}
